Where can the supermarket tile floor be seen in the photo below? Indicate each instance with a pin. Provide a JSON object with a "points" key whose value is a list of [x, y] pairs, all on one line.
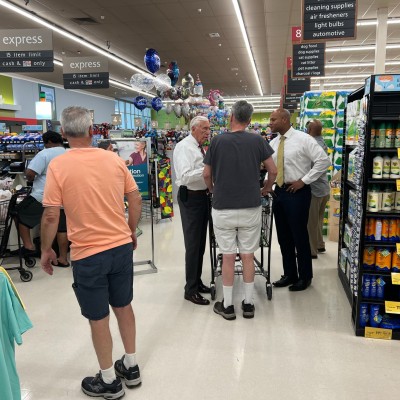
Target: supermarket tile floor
{"points": [[298, 346]]}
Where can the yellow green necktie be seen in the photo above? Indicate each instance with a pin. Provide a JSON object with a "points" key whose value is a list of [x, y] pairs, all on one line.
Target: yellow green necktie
{"points": [[280, 178]]}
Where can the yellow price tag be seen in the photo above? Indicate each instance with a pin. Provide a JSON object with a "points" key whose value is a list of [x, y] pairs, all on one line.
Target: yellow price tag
{"points": [[395, 278], [392, 307], [398, 248], [378, 333], [398, 184], [398, 152]]}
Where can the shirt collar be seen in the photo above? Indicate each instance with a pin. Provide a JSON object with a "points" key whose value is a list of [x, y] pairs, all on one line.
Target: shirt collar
{"points": [[288, 133], [193, 139]]}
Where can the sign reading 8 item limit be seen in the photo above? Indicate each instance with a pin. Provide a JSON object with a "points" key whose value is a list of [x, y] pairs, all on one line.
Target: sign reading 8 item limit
{"points": [[26, 50], [328, 19]]}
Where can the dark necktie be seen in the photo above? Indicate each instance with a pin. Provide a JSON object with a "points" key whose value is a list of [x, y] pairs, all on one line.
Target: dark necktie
{"points": [[202, 150]]}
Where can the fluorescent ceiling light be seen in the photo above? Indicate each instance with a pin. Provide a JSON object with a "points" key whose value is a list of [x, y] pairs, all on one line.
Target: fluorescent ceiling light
{"points": [[329, 84], [359, 48], [275, 97], [360, 65], [369, 22], [68, 35], [347, 76], [247, 43]]}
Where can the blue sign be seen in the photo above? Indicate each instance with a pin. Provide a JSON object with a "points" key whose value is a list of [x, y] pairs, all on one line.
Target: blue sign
{"points": [[32, 128], [140, 174], [387, 83]]}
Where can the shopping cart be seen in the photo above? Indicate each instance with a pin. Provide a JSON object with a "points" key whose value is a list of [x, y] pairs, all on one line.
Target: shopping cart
{"points": [[8, 214], [265, 242]]}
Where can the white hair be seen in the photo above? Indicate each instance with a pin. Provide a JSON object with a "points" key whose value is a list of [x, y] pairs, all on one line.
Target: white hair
{"points": [[196, 120]]}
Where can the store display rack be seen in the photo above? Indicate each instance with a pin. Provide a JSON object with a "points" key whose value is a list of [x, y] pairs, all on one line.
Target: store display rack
{"points": [[376, 107]]}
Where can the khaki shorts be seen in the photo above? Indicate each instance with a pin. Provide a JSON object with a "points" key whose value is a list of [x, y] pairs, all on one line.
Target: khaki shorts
{"points": [[237, 229]]}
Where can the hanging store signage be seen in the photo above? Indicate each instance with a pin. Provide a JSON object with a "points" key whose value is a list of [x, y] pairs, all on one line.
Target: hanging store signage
{"points": [[291, 98], [26, 50], [329, 20], [297, 85], [85, 73], [290, 106], [296, 34], [308, 59]]}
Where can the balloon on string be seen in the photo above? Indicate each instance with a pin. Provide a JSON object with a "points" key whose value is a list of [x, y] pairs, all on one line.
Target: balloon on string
{"points": [[185, 92], [140, 102], [173, 94], [162, 94], [187, 80], [168, 109], [152, 60], [162, 82], [185, 110], [198, 87], [173, 72], [156, 103], [177, 110], [142, 82]]}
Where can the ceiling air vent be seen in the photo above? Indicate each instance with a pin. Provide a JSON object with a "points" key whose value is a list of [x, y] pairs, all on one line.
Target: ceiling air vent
{"points": [[85, 21], [214, 35]]}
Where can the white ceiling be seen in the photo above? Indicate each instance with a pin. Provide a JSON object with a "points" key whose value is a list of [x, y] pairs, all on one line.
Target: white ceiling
{"points": [[178, 31]]}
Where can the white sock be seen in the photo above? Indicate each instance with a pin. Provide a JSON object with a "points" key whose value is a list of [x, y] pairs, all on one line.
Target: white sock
{"points": [[108, 375], [248, 292], [130, 360], [228, 291]]}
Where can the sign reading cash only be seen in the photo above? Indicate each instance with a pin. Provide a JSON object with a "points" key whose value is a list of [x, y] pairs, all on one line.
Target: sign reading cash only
{"points": [[85, 73], [26, 50]]}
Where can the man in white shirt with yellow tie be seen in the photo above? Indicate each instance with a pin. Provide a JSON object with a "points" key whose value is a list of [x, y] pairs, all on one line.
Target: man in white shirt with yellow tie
{"points": [[295, 152], [193, 205]]}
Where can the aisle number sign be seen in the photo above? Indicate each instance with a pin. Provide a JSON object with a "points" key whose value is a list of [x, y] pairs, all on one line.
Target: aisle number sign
{"points": [[392, 307], [395, 278], [378, 333]]}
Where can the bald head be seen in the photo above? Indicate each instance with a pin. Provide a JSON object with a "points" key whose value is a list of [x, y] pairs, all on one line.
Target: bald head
{"points": [[279, 121], [314, 128]]}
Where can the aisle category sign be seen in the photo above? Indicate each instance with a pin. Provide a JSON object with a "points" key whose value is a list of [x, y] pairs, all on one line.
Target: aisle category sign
{"points": [[297, 85], [329, 20], [26, 50], [308, 59]]}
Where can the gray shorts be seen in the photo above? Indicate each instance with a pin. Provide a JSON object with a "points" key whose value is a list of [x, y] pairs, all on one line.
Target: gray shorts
{"points": [[237, 229], [104, 279]]}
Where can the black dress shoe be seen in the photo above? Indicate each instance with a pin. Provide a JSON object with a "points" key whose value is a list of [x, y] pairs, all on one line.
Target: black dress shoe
{"points": [[204, 289], [284, 281], [314, 257], [322, 250], [197, 298], [300, 285]]}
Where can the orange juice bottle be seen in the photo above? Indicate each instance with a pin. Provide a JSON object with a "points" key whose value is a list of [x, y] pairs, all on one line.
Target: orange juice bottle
{"points": [[393, 230], [395, 262], [372, 228], [385, 230], [383, 260]]}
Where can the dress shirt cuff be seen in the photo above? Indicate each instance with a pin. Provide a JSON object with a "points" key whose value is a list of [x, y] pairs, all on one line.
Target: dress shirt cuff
{"points": [[306, 179]]}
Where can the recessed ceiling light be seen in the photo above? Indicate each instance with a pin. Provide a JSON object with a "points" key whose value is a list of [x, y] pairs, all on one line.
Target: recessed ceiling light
{"points": [[199, 10], [214, 35], [219, 44], [234, 69], [102, 17], [237, 74], [228, 58]]}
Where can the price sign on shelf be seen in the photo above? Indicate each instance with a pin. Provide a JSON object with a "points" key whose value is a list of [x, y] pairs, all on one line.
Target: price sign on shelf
{"points": [[398, 150], [395, 278], [398, 248], [392, 307], [378, 333], [398, 184]]}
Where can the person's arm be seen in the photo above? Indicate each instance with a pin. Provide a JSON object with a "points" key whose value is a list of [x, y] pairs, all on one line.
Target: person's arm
{"points": [[134, 210], [48, 229], [320, 160], [270, 166], [30, 175], [207, 175]]}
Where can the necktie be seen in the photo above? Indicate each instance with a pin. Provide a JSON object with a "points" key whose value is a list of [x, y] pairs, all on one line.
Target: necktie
{"points": [[202, 150], [280, 178]]}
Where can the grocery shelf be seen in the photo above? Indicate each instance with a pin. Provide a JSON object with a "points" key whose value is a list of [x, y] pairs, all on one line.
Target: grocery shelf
{"points": [[386, 181], [384, 149], [385, 214], [379, 244]]}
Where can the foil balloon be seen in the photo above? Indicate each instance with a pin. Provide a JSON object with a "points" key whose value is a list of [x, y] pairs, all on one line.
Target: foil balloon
{"points": [[162, 94], [173, 72], [162, 82], [198, 87], [187, 80], [177, 110], [152, 60], [142, 82], [213, 96], [185, 92], [156, 103], [173, 94], [185, 110], [168, 109], [140, 102], [192, 113]]}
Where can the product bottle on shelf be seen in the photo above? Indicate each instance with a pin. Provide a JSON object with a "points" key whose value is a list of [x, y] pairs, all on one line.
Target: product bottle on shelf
{"points": [[383, 259], [377, 167], [374, 199], [389, 135], [378, 229], [373, 136], [395, 167], [385, 230], [380, 139], [395, 261], [386, 167], [393, 230], [397, 136], [388, 199], [372, 229]]}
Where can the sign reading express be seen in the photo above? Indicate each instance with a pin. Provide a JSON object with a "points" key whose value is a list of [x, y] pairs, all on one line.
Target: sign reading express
{"points": [[329, 19], [308, 59], [85, 73], [26, 50]]}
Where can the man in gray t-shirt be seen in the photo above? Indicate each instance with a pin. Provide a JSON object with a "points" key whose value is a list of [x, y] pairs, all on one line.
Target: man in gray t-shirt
{"points": [[232, 173], [319, 197]]}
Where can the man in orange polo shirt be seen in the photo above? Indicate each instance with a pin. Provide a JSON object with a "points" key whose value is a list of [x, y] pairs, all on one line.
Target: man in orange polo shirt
{"points": [[90, 184]]}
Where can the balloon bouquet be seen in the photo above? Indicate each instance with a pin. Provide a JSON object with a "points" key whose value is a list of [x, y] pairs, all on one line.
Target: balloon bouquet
{"points": [[217, 114]]}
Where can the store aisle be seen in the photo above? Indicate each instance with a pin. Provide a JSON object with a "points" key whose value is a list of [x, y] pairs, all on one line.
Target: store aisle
{"points": [[298, 346]]}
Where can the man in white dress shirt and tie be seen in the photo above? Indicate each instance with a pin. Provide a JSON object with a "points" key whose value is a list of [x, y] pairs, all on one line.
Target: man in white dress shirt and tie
{"points": [[295, 151], [193, 205]]}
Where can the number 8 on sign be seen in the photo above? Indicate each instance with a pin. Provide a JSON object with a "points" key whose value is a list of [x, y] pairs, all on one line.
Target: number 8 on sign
{"points": [[296, 33]]}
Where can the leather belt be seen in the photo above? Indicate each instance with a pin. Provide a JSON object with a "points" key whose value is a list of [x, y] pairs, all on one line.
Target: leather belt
{"points": [[285, 185], [197, 192]]}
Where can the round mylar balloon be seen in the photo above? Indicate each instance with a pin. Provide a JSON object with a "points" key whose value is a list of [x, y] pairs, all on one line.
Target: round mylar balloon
{"points": [[173, 94], [198, 87], [142, 82], [185, 110], [140, 102], [173, 72], [162, 82], [168, 109], [177, 110], [185, 92], [156, 103], [152, 60], [187, 80]]}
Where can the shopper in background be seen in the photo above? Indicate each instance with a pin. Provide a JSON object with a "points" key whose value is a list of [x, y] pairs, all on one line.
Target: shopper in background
{"points": [[319, 196], [232, 174], [102, 244], [295, 151], [30, 210], [193, 205]]}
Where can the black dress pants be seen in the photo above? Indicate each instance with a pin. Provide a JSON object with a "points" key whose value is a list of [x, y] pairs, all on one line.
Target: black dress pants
{"points": [[194, 217], [291, 218]]}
